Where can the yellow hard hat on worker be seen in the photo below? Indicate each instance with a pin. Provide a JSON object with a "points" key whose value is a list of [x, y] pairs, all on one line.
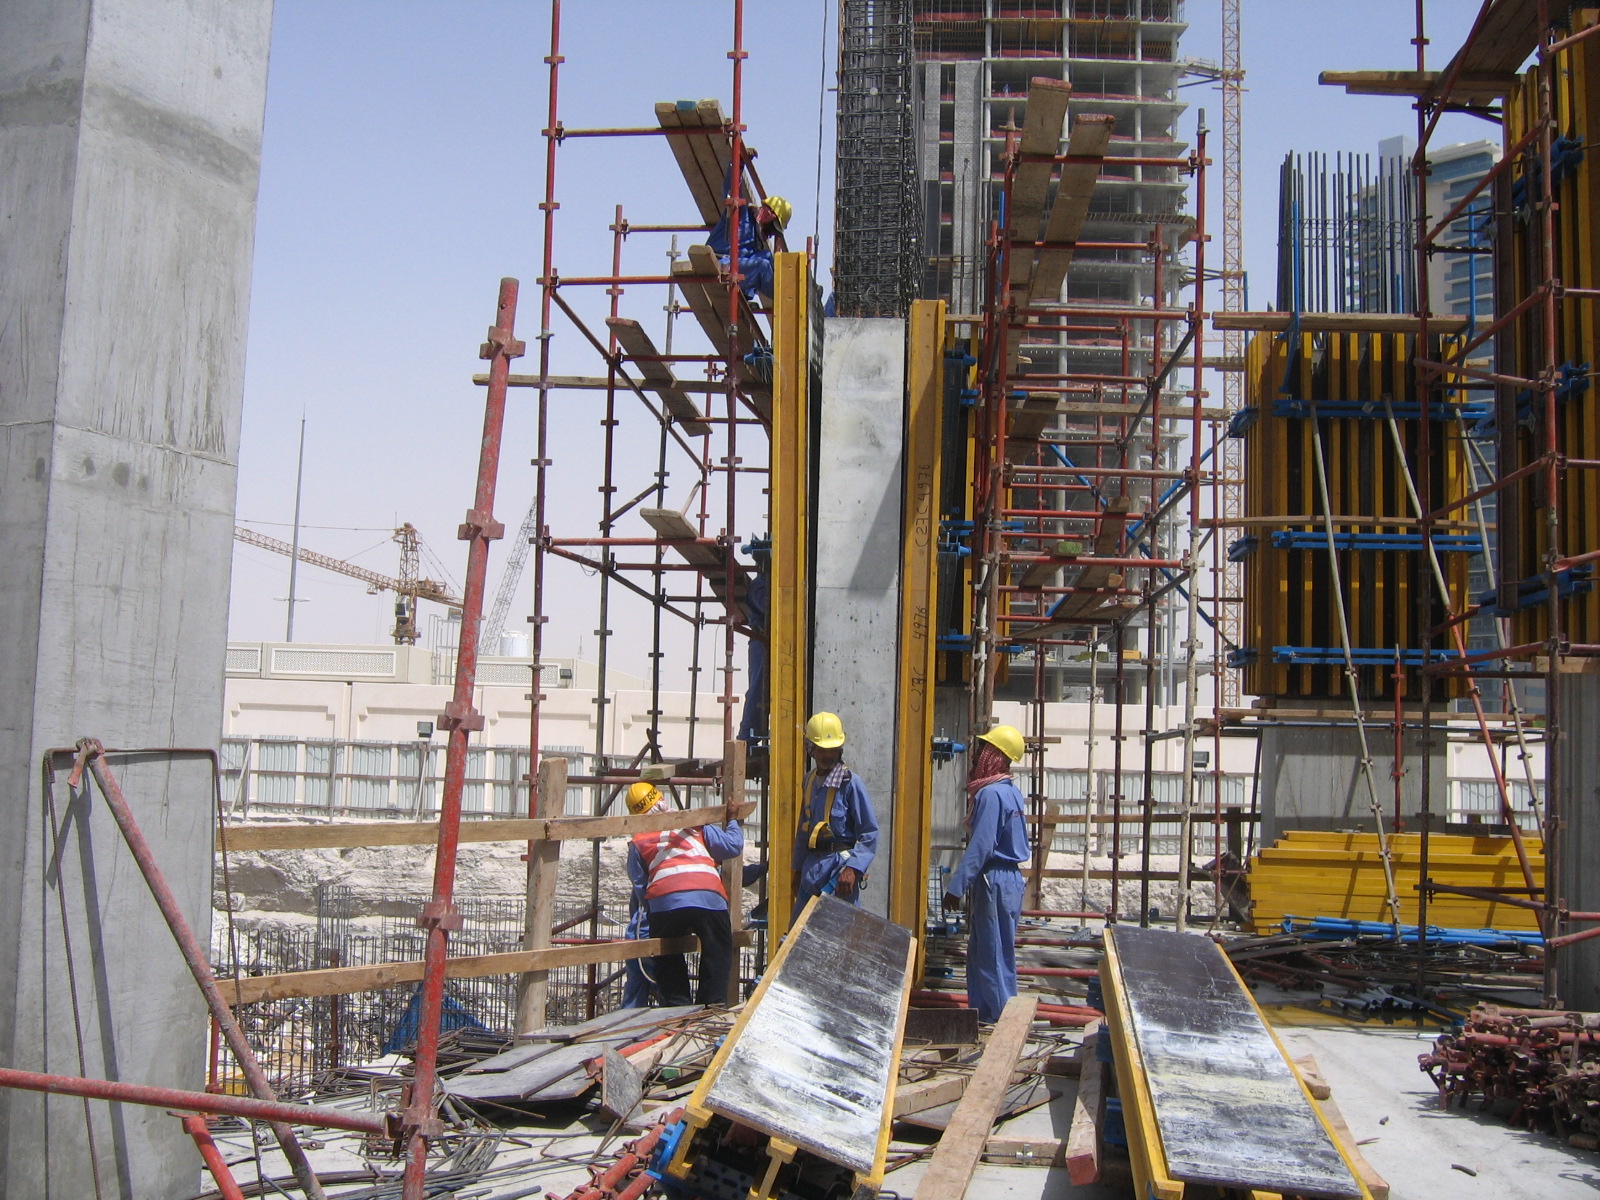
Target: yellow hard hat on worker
{"points": [[642, 797], [780, 208], [1005, 738], [825, 730]]}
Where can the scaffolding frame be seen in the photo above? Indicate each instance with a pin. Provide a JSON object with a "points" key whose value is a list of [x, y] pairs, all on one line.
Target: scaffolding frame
{"points": [[1545, 297], [1026, 530]]}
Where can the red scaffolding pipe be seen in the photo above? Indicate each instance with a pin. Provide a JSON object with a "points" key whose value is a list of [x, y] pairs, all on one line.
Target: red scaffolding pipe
{"points": [[460, 719]]}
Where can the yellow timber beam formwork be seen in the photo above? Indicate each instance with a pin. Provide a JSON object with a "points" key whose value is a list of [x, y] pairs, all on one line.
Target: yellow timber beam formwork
{"points": [[919, 572], [789, 625], [1328, 397], [1528, 522]]}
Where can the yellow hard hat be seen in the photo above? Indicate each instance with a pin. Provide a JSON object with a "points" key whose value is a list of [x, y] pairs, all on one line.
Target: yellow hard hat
{"points": [[825, 730], [781, 209], [642, 797], [1006, 739]]}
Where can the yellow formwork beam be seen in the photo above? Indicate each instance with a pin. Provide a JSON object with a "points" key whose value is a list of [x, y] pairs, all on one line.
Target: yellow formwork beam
{"points": [[919, 574], [789, 631]]}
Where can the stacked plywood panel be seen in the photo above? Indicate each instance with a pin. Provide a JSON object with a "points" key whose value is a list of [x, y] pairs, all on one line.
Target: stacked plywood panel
{"points": [[1309, 874]]}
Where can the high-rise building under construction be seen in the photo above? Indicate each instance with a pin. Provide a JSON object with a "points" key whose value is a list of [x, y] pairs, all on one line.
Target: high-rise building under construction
{"points": [[975, 61]]}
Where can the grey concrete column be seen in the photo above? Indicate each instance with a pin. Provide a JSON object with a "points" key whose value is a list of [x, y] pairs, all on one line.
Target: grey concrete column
{"points": [[1578, 852], [129, 154], [1311, 779], [859, 497]]}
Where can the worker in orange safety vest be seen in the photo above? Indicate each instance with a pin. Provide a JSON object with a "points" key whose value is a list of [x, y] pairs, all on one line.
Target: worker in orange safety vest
{"points": [[676, 871]]}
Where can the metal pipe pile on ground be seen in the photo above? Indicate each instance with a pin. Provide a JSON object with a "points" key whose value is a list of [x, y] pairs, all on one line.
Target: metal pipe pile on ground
{"points": [[1538, 1067]]}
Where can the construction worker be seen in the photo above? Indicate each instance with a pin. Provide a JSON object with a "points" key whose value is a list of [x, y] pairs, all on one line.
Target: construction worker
{"points": [[759, 235], [989, 878], [838, 833], [683, 895]]}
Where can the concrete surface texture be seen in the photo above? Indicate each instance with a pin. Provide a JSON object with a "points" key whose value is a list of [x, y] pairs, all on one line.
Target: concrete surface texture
{"points": [[857, 521], [129, 154], [1394, 1108], [1576, 883], [1311, 778]]}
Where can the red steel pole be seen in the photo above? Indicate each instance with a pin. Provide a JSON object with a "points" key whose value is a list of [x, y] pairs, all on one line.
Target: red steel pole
{"points": [[91, 753], [204, 1102], [460, 718], [195, 1127]]}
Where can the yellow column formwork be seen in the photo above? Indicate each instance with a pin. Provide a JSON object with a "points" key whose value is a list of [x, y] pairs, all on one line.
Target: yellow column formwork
{"points": [[789, 625], [1289, 592], [919, 572]]}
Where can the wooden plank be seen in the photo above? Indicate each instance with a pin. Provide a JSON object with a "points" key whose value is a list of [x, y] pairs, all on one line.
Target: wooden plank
{"points": [[341, 981], [236, 838], [1082, 1152], [929, 1093], [1091, 135], [1277, 322], [707, 297], [1473, 86], [1306, 1064], [544, 866], [599, 383], [621, 1087], [657, 376], [1311, 1076], [706, 556], [950, 1170], [1041, 134], [689, 151], [733, 870]]}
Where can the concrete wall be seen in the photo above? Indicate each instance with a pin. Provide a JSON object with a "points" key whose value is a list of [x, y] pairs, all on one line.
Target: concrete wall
{"points": [[129, 154], [1578, 878], [1311, 779], [859, 498]]}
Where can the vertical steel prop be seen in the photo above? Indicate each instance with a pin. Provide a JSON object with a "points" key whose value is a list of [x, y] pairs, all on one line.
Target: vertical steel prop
{"points": [[227, 1186], [91, 754], [439, 916]]}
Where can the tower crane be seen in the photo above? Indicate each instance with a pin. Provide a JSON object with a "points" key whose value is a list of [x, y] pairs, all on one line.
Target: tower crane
{"points": [[408, 588]]}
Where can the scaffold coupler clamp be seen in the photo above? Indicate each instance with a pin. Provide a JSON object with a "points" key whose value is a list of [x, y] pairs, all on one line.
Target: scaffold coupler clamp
{"points": [[87, 748], [502, 343], [480, 524], [457, 715], [440, 914]]}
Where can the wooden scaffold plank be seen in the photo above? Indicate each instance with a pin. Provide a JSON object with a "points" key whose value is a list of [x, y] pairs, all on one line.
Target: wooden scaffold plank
{"points": [[657, 376], [950, 1170]]}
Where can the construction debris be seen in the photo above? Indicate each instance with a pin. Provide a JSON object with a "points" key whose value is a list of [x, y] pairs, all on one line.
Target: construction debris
{"points": [[1536, 1067]]}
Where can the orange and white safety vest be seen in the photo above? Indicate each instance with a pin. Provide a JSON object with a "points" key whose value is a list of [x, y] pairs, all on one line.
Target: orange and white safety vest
{"points": [[676, 860]]}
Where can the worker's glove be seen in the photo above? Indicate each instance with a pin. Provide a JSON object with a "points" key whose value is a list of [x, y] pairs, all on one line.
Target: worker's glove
{"points": [[952, 902], [846, 887]]}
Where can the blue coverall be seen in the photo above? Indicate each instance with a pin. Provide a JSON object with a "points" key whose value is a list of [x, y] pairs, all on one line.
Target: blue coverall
{"points": [[755, 256], [851, 839], [989, 878]]}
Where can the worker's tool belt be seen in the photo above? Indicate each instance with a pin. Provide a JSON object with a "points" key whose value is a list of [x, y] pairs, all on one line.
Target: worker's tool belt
{"points": [[834, 845]]}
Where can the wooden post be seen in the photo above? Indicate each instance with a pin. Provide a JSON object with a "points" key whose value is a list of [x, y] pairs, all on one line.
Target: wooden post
{"points": [[733, 753], [1046, 833], [544, 863]]}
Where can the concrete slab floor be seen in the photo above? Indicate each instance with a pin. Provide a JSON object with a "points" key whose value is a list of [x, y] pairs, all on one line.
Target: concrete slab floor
{"points": [[1371, 1069], [1374, 1075]]}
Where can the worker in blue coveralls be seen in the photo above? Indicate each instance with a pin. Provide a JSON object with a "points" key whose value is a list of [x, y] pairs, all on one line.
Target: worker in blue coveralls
{"points": [[989, 877], [760, 231], [684, 895], [838, 833]]}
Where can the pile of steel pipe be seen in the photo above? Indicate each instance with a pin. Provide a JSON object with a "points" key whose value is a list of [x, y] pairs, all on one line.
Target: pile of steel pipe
{"points": [[1539, 1067], [627, 1178]]}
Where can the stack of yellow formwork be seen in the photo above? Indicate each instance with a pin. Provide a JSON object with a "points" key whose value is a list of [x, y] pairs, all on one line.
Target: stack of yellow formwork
{"points": [[1308, 874]]}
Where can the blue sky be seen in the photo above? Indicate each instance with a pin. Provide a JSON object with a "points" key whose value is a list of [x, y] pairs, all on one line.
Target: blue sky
{"points": [[401, 176]]}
